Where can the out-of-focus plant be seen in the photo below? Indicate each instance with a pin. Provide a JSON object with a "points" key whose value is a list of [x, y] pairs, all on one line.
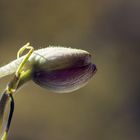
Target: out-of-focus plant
{"points": [[59, 69]]}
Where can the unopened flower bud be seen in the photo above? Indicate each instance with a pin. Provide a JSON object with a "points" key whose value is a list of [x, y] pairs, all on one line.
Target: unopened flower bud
{"points": [[56, 68], [62, 69]]}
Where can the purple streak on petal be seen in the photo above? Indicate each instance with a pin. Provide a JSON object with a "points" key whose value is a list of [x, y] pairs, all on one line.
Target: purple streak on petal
{"points": [[65, 80]]}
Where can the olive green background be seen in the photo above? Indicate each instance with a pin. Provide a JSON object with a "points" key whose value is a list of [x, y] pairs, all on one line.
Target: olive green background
{"points": [[108, 107]]}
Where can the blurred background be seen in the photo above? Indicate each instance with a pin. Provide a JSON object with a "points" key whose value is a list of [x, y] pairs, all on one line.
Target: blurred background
{"points": [[108, 107]]}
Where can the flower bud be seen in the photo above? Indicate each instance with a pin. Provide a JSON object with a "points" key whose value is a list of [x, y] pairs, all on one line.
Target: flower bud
{"points": [[62, 69]]}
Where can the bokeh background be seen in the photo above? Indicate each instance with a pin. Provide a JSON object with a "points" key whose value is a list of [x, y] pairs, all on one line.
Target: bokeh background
{"points": [[108, 107]]}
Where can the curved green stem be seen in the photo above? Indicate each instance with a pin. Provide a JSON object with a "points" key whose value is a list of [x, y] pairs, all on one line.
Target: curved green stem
{"points": [[20, 77], [31, 49]]}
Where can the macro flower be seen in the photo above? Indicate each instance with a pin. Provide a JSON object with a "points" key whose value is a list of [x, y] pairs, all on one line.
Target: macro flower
{"points": [[58, 69], [63, 69]]}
